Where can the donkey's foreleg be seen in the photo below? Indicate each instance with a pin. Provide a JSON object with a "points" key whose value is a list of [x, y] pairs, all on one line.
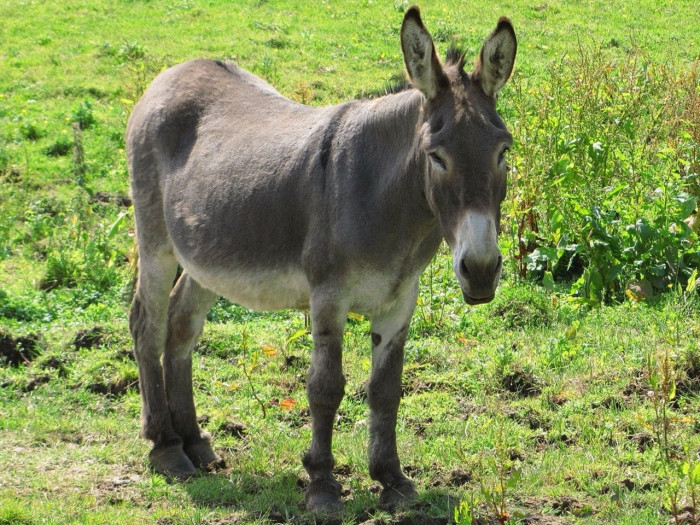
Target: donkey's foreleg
{"points": [[384, 394], [189, 304], [325, 387], [148, 325]]}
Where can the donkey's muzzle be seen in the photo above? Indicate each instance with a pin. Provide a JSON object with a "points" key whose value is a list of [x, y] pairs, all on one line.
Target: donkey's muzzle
{"points": [[479, 281], [477, 260]]}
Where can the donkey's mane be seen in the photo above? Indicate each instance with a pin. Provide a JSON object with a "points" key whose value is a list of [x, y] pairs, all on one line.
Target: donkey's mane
{"points": [[397, 83], [455, 57]]}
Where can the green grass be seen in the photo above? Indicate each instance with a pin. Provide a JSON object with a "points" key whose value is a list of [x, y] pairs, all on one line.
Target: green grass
{"points": [[561, 382]]}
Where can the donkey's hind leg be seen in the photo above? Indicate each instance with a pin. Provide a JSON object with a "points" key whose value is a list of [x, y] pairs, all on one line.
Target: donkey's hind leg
{"points": [[148, 320], [189, 304]]}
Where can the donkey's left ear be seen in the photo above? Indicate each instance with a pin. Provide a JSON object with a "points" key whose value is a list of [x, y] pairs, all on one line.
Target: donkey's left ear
{"points": [[495, 64]]}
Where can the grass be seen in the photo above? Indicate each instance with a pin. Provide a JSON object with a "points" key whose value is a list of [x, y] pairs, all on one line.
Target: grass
{"points": [[540, 406]]}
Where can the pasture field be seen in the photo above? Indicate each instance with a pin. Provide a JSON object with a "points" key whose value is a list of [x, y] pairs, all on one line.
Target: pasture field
{"points": [[572, 398]]}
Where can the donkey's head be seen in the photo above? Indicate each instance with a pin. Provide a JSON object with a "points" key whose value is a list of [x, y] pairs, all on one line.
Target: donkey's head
{"points": [[463, 145]]}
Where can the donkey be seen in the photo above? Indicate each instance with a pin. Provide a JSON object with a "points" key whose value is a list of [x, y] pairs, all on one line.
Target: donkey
{"points": [[275, 204]]}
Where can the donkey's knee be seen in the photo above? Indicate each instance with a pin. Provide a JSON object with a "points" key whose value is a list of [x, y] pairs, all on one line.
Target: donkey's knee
{"points": [[325, 389]]}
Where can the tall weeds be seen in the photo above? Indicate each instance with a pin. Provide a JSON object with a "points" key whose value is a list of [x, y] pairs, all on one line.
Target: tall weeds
{"points": [[605, 174]]}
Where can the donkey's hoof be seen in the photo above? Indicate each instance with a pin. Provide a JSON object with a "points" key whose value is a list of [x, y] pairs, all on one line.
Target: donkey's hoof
{"points": [[203, 456], [170, 460], [397, 495], [323, 497]]}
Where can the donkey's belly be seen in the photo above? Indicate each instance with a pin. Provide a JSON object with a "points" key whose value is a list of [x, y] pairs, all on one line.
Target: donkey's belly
{"points": [[257, 290]]}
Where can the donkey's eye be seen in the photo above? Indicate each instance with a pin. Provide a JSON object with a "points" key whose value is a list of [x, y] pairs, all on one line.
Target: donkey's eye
{"points": [[502, 155], [438, 160]]}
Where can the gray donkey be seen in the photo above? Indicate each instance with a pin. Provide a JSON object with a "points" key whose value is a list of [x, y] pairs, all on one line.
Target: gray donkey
{"points": [[274, 204]]}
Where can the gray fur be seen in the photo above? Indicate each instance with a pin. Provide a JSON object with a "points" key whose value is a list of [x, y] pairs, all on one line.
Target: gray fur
{"points": [[274, 204]]}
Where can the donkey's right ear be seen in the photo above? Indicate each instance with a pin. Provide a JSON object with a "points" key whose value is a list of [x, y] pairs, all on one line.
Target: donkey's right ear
{"points": [[422, 63]]}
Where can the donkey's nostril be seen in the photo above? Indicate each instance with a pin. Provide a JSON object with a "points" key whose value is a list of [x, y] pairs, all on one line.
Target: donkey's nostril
{"points": [[499, 263], [463, 268]]}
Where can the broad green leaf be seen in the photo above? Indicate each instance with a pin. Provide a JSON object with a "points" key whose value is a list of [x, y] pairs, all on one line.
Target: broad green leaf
{"points": [[296, 335], [692, 282], [695, 476], [116, 225], [685, 468], [672, 391], [514, 478], [548, 281]]}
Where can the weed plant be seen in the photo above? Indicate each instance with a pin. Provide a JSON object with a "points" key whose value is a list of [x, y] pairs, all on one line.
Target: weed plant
{"points": [[611, 143]]}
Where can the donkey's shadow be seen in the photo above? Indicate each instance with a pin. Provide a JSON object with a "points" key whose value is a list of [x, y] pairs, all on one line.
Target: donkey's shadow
{"points": [[279, 498]]}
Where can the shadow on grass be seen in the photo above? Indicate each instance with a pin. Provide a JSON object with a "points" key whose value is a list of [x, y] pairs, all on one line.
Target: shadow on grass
{"points": [[279, 498]]}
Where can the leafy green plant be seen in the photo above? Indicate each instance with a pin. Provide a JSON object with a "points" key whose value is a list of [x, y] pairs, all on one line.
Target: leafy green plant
{"points": [[438, 294], [466, 513], [681, 475], [83, 115], [500, 474], [605, 148], [31, 131], [141, 67], [83, 258], [59, 148]]}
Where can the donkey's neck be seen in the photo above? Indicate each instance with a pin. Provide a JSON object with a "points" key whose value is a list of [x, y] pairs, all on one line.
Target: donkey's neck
{"points": [[388, 170], [390, 129]]}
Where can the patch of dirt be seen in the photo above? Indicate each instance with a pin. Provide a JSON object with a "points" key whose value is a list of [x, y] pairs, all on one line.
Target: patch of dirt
{"points": [[120, 199], [610, 403], [16, 351], [521, 382], [531, 418], [644, 440], [125, 354], [119, 486], [419, 386], [689, 382], [89, 338], [557, 400], [296, 418], [113, 388], [569, 505], [343, 470], [295, 362], [233, 428], [684, 517], [459, 477], [410, 518], [562, 507], [638, 386], [535, 519], [35, 382], [420, 425], [55, 363], [630, 485]]}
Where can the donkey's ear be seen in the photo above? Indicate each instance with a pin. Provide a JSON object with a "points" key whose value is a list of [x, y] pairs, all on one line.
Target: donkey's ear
{"points": [[422, 63], [495, 64]]}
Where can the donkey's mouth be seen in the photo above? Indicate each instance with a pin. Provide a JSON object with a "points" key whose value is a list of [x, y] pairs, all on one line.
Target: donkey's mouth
{"points": [[477, 300]]}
